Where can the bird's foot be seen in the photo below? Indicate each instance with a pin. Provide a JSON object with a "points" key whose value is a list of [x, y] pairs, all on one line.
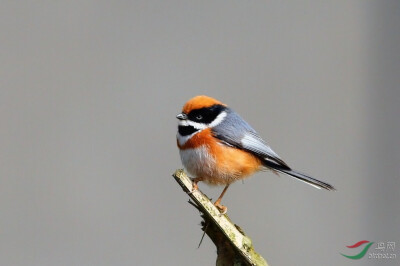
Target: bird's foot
{"points": [[222, 209], [195, 187]]}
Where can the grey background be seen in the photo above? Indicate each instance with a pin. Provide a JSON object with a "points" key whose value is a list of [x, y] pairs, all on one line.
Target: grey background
{"points": [[89, 91]]}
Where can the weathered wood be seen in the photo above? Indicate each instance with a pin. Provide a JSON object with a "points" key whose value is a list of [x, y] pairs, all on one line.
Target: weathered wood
{"points": [[233, 246]]}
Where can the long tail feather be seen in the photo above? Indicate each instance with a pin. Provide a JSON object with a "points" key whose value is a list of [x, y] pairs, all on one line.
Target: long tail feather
{"points": [[307, 179]]}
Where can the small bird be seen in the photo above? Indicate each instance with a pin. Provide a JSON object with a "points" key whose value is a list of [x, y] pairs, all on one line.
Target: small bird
{"points": [[218, 147]]}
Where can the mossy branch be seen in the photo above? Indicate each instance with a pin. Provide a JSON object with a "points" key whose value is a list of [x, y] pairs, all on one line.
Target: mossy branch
{"points": [[233, 246]]}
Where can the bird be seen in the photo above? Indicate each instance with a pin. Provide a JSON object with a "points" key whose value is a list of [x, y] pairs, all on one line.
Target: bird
{"points": [[218, 147]]}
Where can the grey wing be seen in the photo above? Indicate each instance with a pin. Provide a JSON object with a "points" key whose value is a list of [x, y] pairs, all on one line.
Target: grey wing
{"points": [[234, 131]]}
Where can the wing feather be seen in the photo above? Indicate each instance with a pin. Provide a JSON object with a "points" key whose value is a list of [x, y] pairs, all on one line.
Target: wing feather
{"points": [[234, 131]]}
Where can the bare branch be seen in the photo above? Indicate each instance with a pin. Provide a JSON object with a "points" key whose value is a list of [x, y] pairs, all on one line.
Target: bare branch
{"points": [[233, 246]]}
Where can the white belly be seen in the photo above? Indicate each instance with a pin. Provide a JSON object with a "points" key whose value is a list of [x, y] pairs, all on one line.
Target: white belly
{"points": [[198, 162]]}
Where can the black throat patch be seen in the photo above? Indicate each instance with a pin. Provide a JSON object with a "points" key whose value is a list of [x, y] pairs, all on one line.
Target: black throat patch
{"points": [[186, 130]]}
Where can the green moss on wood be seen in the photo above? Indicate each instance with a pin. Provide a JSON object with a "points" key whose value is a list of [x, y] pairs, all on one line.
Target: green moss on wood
{"points": [[233, 246]]}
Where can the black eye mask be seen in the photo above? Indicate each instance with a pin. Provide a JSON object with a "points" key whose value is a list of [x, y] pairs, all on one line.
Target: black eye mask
{"points": [[206, 115]]}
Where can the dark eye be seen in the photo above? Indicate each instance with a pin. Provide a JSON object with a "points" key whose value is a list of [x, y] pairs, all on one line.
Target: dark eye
{"points": [[205, 115]]}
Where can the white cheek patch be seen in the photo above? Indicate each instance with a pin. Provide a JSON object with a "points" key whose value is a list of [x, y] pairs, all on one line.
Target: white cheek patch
{"points": [[183, 123], [199, 126]]}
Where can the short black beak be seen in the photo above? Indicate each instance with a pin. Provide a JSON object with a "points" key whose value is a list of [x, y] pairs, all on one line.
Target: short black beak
{"points": [[181, 116]]}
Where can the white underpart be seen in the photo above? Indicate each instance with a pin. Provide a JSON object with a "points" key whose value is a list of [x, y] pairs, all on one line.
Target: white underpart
{"points": [[199, 126], [198, 161]]}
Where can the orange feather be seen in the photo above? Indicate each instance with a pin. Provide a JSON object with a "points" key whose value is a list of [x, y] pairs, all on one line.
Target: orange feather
{"points": [[231, 163], [198, 102]]}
